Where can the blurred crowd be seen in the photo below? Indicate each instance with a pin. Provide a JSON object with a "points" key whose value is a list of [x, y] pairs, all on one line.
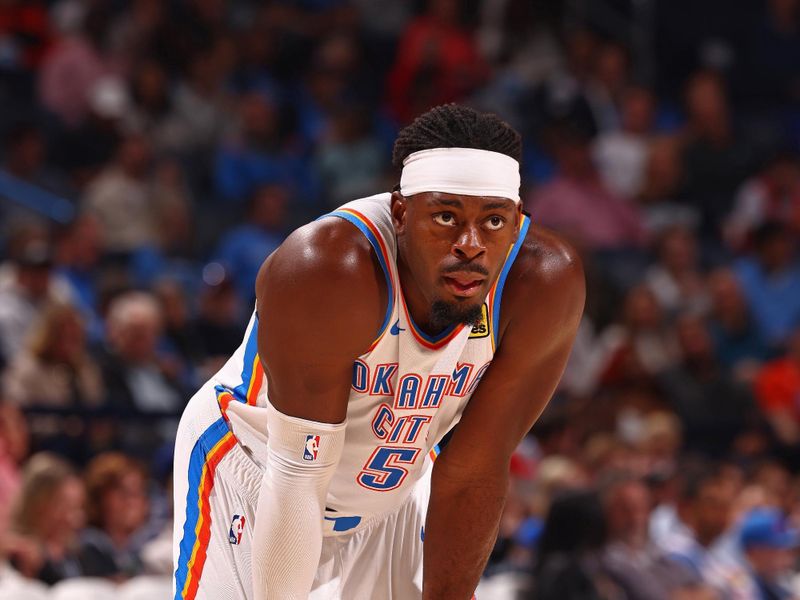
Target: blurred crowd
{"points": [[153, 153]]}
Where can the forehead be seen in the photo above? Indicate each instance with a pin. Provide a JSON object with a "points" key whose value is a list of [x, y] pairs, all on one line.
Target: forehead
{"points": [[439, 200]]}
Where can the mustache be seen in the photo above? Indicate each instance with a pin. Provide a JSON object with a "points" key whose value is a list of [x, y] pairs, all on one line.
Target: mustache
{"points": [[466, 268]]}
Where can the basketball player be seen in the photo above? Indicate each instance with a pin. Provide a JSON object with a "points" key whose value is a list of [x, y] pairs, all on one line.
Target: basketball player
{"points": [[307, 466]]}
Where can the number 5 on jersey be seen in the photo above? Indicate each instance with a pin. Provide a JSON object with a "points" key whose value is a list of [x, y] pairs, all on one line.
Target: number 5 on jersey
{"points": [[383, 471]]}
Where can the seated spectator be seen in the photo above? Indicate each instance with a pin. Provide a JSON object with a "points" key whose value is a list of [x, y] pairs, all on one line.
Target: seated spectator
{"points": [[642, 570], [244, 248], [55, 369], [567, 566], [769, 545], [777, 388], [219, 320], [351, 159], [771, 195], [261, 153], [737, 341], [26, 286], [133, 376], [119, 197], [117, 509], [676, 279], [49, 512], [704, 504], [770, 280], [712, 407], [621, 155], [577, 202], [642, 345]]}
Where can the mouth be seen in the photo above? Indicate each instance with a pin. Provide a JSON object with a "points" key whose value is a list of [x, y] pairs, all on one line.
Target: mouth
{"points": [[463, 286]]}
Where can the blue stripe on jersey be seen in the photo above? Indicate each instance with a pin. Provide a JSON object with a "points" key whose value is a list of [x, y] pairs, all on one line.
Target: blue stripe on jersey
{"points": [[501, 280], [364, 228], [209, 438], [250, 351]]}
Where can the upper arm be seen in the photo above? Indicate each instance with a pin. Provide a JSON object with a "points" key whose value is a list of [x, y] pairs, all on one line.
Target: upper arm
{"points": [[543, 310], [320, 298]]}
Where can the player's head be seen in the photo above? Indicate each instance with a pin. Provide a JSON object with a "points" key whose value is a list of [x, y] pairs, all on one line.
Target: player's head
{"points": [[457, 209]]}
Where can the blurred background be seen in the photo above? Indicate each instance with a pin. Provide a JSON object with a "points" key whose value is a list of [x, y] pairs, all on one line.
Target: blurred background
{"points": [[153, 153]]}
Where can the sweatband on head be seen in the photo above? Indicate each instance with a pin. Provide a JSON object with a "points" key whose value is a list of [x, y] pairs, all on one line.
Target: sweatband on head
{"points": [[463, 171]]}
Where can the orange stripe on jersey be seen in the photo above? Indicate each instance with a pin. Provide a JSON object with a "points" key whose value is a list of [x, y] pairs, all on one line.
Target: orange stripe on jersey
{"points": [[432, 345], [256, 381]]}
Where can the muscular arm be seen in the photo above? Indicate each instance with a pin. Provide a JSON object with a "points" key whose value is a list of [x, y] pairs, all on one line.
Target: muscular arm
{"points": [[320, 300], [542, 306]]}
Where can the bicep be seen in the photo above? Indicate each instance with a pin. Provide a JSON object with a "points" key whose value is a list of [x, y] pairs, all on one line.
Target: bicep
{"points": [[318, 309]]}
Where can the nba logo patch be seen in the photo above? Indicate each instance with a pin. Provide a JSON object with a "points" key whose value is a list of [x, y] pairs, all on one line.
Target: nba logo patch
{"points": [[312, 447], [237, 529]]}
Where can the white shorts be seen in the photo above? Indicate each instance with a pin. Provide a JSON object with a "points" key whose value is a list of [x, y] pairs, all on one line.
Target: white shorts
{"points": [[216, 486]]}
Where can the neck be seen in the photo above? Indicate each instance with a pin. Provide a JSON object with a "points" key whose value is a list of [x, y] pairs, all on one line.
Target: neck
{"points": [[418, 306]]}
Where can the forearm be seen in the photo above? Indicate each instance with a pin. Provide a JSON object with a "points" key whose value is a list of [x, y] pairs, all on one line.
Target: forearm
{"points": [[460, 532], [287, 539]]}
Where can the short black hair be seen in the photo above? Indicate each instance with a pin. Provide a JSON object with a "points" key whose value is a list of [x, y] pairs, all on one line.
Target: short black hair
{"points": [[457, 126]]}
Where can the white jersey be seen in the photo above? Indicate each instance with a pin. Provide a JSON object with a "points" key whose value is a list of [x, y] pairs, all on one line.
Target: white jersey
{"points": [[408, 390]]}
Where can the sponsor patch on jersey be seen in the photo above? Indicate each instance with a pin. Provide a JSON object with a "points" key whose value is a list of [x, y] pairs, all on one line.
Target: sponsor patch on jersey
{"points": [[481, 330], [312, 447], [237, 529]]}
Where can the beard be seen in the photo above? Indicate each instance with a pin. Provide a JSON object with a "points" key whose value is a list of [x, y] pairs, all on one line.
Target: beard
{"points": [[444, 314]]}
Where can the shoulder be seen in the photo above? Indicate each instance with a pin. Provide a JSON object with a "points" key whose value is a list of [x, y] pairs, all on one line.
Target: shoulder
{"points": [[326, 250], [325, 271], [545, 288]]}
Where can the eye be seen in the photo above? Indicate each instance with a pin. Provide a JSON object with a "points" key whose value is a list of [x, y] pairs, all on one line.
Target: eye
{"points": [[494, 223], [446, 219]]}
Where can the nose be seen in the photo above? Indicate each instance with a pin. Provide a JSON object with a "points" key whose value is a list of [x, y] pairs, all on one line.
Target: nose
{"points": [[469, 245]]}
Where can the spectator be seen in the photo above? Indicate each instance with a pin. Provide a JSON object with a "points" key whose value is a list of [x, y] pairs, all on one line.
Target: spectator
{"points": [[260, 154], [769, 544], [244, 248], [437, 62], [777, 387], [73, 65], [218, 322], [642, 570], [350, 160], [568, 563], [120, 199], [133, 375], [715, 159], [713, 408], [25, 290], [772, 195], [737, 341], [55, 370], [703, 514], [117, 509], [770, 280], [676, 279], [577, 202], [621, 155], [50, 512]]}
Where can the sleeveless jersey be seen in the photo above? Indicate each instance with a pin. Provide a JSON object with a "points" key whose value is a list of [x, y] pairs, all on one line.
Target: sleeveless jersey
{"points": [[408, 389]]}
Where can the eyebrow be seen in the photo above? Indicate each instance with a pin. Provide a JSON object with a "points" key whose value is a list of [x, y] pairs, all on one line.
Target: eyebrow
{"points": [[494, 205]]}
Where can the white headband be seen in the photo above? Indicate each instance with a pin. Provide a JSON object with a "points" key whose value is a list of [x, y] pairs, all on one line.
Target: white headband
{"points": [[464, 171]]}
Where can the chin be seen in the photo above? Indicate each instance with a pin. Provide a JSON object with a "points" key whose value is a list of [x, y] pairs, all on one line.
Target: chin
{"points": [[463, 311]]}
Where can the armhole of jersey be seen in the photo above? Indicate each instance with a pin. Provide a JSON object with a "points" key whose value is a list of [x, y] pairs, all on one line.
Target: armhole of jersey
{"points": [[369, 230], [497, 295]]}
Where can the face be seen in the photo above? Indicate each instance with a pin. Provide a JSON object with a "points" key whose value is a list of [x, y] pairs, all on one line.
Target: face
{"points": [[452, 248], [125, 507], [628, 512]]}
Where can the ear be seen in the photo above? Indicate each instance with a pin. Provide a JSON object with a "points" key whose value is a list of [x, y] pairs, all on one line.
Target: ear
{"points": [[398, 208]]}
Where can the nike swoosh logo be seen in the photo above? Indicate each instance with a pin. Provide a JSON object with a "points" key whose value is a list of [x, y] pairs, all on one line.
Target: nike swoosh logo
{"points": [[396, 329]]}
